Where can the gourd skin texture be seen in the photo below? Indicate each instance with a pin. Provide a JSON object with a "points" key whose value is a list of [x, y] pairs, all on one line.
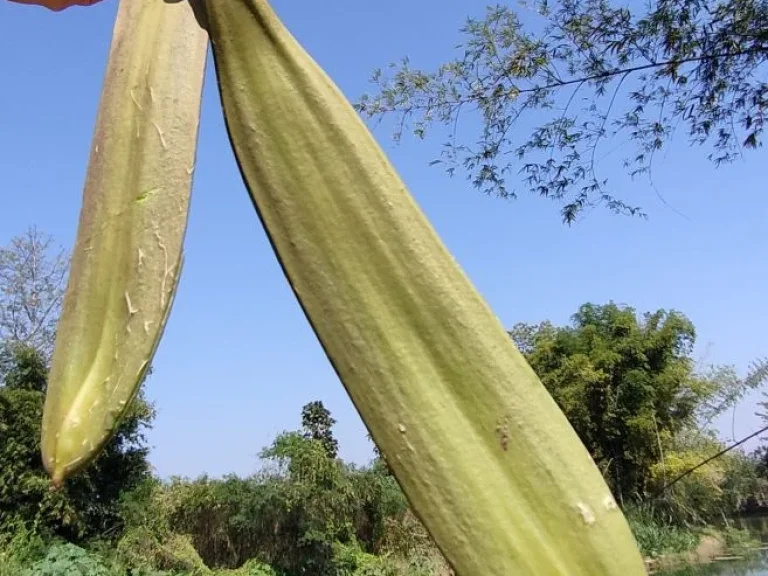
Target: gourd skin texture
{"points": [[485, 456], [127, 256]]}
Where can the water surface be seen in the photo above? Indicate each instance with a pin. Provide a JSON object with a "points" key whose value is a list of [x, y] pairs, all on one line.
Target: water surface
{"points": [[756, 565]]}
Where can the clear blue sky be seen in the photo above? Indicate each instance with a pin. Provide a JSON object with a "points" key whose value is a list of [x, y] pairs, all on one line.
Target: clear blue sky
{"points": [[238, 359]]}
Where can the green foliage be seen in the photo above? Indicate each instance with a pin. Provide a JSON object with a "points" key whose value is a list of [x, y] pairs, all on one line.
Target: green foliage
{"points": [[728, 388], [657, 536], [739, 541], [627, 385], [378, 501], [351, 560], [757, 376], [597, 71], [229, 520], [21, 548], [25, 369], [250, 568], [307, 512], [293, 515], [68, 560], [317, 424], [408, 544], [143, 549], [88, 506], [725, 485], [328, 503]]}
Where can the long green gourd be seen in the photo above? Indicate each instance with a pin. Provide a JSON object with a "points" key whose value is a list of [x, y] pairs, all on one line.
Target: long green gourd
{"points": [[127, 255], [487, 459]]}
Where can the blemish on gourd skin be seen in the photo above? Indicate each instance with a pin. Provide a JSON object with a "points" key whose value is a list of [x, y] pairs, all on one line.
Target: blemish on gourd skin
{"points": [[609, 503], [167, 271], [135, 101], [502, 429], [144, 196], [160, 134], [586, 513], [131, 309]]}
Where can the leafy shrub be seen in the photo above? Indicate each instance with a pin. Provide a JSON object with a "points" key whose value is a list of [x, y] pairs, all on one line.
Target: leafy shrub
{"points": [[22, 546], [290, 515], [142, 549], [351, 560], [411, 547], [67, 560], [10, 565], [250, 568], [378, 500]]}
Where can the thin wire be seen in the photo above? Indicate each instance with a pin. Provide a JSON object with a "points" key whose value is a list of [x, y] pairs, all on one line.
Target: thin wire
{"points": [[708, 460]]}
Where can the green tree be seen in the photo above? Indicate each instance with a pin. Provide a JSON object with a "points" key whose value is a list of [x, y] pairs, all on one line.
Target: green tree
{"points": [[626, 384], [595, 71], [726, 485], [318, 501], [317, 423], [89, 505]]}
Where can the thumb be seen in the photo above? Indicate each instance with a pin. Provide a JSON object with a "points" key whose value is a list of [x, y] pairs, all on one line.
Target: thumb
{"points": [[57, 5]]}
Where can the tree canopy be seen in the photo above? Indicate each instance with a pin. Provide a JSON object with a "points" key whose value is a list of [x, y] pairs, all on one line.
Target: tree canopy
{"points": [[628, 385], [594, 71], [317, 423], [32, 281]]}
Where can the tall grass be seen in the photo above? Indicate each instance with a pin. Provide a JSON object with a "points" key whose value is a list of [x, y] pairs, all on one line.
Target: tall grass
{"points": [[656, 536]]}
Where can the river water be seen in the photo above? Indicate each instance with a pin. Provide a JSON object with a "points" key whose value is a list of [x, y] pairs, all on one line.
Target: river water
{"points": [[757, 565], [754, 567]]}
